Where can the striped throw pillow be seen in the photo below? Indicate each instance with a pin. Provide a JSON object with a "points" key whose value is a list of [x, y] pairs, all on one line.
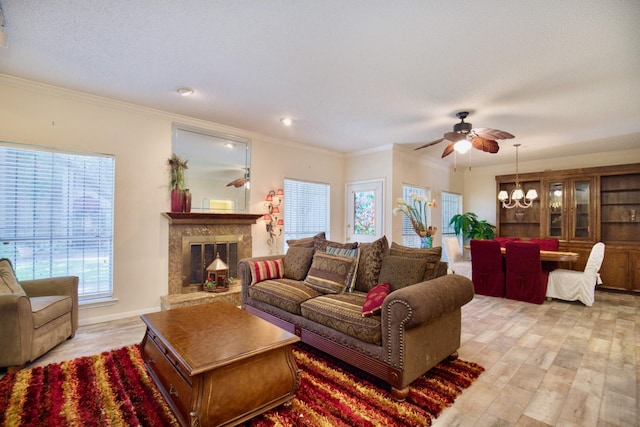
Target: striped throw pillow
{"points": [[349, 253], [265, 270]]}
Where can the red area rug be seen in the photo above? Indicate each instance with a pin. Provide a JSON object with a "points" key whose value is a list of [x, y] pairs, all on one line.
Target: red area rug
{"points": [[114, 389]]}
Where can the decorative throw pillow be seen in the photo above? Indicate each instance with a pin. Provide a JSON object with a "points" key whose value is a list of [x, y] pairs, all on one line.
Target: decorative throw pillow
{"points": [[329, 273], [8, 282], [297, 262], [320, 244], [266, 269], [371, 255], [431, 255], [374, 299], [349, 253], [306, 242], [401, 271]]}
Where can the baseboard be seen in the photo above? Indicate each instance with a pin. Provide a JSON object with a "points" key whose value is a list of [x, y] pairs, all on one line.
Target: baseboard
{"points": [[83, 321]]}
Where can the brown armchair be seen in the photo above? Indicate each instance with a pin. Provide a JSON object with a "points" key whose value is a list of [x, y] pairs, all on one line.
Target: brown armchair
{"points": [[35, 315]]}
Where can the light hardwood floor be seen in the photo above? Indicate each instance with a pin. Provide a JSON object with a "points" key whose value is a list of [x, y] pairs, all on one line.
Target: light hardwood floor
{"points": [[555, 364]]}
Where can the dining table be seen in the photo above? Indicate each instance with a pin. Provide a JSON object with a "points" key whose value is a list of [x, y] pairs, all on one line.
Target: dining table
{"points": [[559, 256]]}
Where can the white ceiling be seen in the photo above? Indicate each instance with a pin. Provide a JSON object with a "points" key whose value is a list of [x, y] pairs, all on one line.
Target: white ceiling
{"points": [[562, 76]]}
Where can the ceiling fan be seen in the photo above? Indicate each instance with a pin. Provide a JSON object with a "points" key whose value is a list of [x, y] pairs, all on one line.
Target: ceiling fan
{"points": [[464, 136]]}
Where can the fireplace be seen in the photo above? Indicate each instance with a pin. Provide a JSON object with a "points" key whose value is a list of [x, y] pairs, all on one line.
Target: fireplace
{"points": [[194, 240], [200, 251]]}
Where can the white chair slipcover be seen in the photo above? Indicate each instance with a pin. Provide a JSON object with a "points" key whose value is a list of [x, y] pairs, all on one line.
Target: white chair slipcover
{"points": [[455, 258], [570, 285]]}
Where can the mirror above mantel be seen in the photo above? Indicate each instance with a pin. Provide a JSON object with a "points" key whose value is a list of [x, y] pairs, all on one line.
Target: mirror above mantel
{"points": [[218, 174]]}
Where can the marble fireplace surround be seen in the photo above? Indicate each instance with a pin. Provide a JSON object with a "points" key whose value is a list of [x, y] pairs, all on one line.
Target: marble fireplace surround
{"points": [[182, 224]]}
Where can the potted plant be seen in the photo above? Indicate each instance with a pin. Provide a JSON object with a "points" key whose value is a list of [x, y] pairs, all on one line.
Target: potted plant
{"points": [[416, 211], [177, 167], [471, 227]]}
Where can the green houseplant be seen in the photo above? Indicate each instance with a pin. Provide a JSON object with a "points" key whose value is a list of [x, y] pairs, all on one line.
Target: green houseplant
{"points": [[471, 227], [177, 166]]}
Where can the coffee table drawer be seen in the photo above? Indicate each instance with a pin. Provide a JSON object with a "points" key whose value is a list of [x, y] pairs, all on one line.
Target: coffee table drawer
{"points": [[176, 388]]}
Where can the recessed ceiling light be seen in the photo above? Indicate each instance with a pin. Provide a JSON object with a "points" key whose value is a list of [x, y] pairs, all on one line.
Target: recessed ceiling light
{"points": [[185, 91], [287, 121]]}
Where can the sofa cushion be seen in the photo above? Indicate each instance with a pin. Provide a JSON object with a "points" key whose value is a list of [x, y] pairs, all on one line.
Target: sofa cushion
{"points": [[349, 253], [306, 242], [431, 255], [48, 308], [8, 282], [375, 297], [320, 244], [266, 269], [297, 262], [286, 294], [371, 255], [343, 312], [329, 274], [401, 271]]}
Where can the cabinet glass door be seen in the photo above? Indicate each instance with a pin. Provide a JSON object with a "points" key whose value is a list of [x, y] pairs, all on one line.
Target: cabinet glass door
{"points": [[556, 210], [581, 217]]}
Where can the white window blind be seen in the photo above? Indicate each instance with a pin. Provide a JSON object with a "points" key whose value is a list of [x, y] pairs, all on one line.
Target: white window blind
{"points": [[306, 209], [451, 205], [56, 215], [409, 236]]}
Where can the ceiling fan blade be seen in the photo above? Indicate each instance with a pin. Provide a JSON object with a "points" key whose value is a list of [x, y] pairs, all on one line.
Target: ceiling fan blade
{"points": [[455, 136], [429, 144], [448, 150], [486, 145], [488, 133]]}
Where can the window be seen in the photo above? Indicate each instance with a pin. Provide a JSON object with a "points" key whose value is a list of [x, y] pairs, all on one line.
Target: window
{"points": [[56, 215], [409, 236], [451, 205], [306, 209]]}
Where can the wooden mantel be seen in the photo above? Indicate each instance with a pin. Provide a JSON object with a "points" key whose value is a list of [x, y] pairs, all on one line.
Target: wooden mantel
{"points": [[201, 218]]}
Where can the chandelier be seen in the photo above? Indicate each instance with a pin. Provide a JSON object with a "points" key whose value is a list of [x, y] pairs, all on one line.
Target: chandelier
{"points": [[517, 199]]}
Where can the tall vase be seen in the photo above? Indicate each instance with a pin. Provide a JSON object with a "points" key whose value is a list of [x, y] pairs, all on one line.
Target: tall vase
{"points": [[177, 200], [187, 200], [426, 242]]}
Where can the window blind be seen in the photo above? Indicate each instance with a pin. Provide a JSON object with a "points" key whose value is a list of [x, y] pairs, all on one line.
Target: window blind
{"points": [[306, 209], [56, 215], [409, 236]]}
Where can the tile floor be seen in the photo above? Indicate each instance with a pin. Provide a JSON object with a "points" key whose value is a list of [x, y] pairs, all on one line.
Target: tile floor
{"points": [[555, 364]]}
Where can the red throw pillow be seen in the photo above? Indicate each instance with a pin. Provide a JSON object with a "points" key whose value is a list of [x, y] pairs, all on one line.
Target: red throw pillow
{"points": [[374, 299], [264, 270]]}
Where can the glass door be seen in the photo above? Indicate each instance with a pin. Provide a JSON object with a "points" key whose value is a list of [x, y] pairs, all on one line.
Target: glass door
{"points": [[581, 228], [557, 207]]}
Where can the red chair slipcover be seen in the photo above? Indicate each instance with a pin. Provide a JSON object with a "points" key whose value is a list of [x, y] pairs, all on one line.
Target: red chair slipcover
{"points": [[548, 245], [525, 279], [503, 240], [486, 268]]}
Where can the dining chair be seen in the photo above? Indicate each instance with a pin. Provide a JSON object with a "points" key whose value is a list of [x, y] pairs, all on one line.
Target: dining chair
{"points": [[455, 259], [487, 274], [570, 285], [549, 244], [504, 240], [525, 279]]}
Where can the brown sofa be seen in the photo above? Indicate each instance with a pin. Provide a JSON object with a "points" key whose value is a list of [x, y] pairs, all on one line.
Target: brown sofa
{"points": [[417, 326], [35, 315]]}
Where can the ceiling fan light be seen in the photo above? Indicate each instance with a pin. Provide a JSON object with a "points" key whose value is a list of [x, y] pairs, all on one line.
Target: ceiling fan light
{"points": [[462, 146]]}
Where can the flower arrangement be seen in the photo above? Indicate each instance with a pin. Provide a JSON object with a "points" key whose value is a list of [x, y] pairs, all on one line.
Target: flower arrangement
{"points": [[416, 211]]}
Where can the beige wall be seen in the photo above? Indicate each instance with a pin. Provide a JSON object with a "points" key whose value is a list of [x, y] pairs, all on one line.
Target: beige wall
{"points": [[140, 139]]}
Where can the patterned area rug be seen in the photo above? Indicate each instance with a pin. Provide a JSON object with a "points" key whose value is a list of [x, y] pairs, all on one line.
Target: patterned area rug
{"points": [[113, 389]]}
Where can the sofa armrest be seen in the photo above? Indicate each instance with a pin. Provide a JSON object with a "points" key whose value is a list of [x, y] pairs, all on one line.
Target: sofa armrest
{"points": [[244, 272], [16, 329], [64, 285], [426, 301]]}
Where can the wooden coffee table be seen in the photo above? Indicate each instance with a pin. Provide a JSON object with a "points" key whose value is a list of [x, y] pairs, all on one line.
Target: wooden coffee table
{"points": [[216, 364]]}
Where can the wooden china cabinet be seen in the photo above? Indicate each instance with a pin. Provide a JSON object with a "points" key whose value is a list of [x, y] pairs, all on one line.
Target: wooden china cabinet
{"points": [[581, 207]]}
